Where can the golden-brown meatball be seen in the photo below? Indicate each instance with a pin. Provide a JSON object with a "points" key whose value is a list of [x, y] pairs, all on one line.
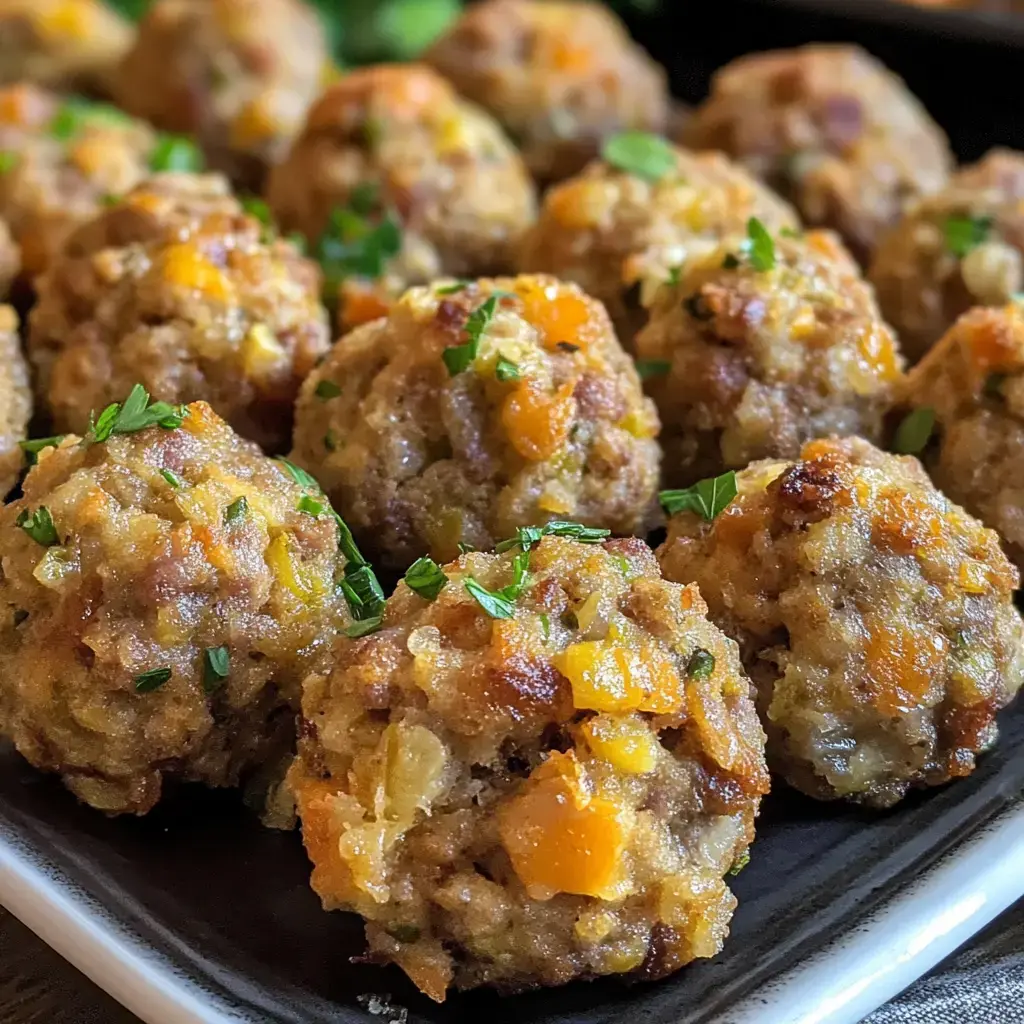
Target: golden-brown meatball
{"points": [[561, 77], [60, 161], [960, 248], [15, 400], [10, 259], [832, 129], [761, 345], [179, 289], [615, 233], [551, 793], [472, 410], [64, 44], [391, 150], [162, 598], [874, 616], [237, 74], [973, 383]]}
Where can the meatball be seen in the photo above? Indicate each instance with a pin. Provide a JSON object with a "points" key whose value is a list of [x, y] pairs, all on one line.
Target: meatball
{"points": [[545, 791], [10, 259], [832, 129], [972, 382], [65, 44], [761, 345], [60, 161], [177, 288], [561, 77], [237, 74], [615, 233], [409, 183], [474, 409], [875, 617], [15, 400], [163, 596], [960, 248]]}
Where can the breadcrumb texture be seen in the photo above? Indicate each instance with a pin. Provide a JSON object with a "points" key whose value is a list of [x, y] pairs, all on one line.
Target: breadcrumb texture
{"points": [[149, 574], [439, 164], [561, 77], [618, 235], [754, 363], [923, 282], [832, 129], [15, 399], [237, 74], [874, 616], [418, 459], [64, 44], [57, 176], [524, 801], [176, 288], [974, 381]]}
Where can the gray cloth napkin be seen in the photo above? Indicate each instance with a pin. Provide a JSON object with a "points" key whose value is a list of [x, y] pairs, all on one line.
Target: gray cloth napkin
{"points": [[983, 983]]}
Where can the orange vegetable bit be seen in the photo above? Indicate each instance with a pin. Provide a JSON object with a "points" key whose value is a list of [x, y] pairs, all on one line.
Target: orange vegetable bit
{"points": [[560, 838], [359, 304], [994, 339], [538, 424], [331, 877], [561, 316], [185, 266], [902, 523], [902, 660]]}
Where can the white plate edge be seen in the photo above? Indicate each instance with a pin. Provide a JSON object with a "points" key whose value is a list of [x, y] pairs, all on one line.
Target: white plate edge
{"points": [[897, 943], [903, 938]]}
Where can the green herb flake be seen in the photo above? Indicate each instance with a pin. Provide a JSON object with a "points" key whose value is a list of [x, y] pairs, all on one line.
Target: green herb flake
{"points": [[650, 368], [173, 479], [216, 667], [701, 664], [311, 506], [760, 248], [34, 447], [741, 862], [640, 153], [147, 682], [426, 578], [326, 390], [527, 536], [8, 161], [500, 604], [299, 475], [176, 153], [134, 414], [506, 370], [358, 241], [451, 289], [39, 526], [465, 548], [965, 233], [914, 431], [788, 232], [708, 498], [258, 208], [545, 625], [460, 357], [675, 275], [238, 509], [364, 627]]}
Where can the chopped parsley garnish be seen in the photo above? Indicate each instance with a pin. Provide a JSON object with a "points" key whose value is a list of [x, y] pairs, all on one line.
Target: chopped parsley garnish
{"points": [[364, 627], [358, 243], [914, 431], [648, 368], [39, 526], [506, 370], [238, 509], [674, 276], [134, 414], [451, 289], [788, 232], [326, 390], [147, 682], [110, 199], [701, 664], [8, 161], [465, 548], [426, 578], [258, 208], [172, 478], [216, 666], [175, 153], [500, 604], [741, 862], [460, 357], [965, 233], [311, 506], [545, 625], [759, 247], [34, 447], [707, 497], [640, 153], [527, 536], [299, 475]]}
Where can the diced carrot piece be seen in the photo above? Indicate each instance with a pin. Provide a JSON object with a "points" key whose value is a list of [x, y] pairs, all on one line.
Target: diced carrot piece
{"points": [[537, 423]]}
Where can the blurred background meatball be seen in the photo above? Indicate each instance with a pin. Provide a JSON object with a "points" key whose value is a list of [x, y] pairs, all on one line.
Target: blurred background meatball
{"points": [[874, 616], [65, 44], [10, 259], [761, 345], [957, 249], [620, 227], [402, 182], [62, 159], [237, 74], [832, 129], [561, 77], [472, 410], [566, 778], [177, 288], [162, 598], [15, 400], [972, 383]]}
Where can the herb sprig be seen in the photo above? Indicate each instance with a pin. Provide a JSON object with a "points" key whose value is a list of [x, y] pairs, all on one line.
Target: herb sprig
{"points": [[501, 604], [136, 413], [640, 153], [914, 431], [39, 526], [527, 536], [460, 357], [426, 578], [708, 498], [965, 233]]}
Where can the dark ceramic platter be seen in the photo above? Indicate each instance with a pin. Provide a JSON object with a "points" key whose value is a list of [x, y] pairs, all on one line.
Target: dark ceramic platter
{"points": [[223, 903]]}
